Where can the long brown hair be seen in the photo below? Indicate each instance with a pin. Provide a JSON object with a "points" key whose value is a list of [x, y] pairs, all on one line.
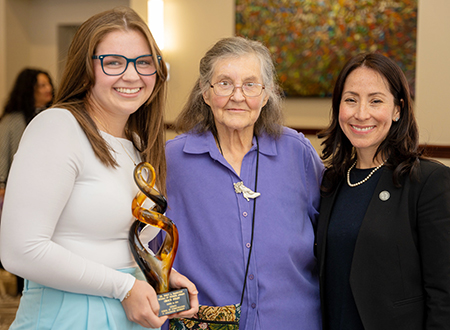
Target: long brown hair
{"points": [[145, 127], [196, 114], [401, 144]]}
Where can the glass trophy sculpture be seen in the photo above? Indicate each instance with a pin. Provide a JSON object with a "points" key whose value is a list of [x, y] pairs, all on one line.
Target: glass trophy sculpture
{"points": [[156, 267]]}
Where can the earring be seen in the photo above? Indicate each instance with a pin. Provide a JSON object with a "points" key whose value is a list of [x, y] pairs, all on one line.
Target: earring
{"points": [[396, 119]]}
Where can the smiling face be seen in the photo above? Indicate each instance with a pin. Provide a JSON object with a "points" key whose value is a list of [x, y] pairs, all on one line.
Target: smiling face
{"points": [[366, 110], [120, 96], [236, 112]]}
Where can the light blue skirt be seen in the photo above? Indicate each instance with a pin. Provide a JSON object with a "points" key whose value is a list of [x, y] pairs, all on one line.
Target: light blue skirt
{"points": [[44, 308]]}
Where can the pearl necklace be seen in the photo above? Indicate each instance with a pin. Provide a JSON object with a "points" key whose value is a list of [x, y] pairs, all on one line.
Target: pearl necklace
{"points": [[364, 180]]}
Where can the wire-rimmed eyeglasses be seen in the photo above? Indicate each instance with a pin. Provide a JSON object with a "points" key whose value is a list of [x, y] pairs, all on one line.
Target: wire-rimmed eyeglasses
{"points": [[226, 88], [115, 65]]}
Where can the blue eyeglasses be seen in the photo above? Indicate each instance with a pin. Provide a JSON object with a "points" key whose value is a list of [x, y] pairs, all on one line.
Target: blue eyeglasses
{"points": [[115, 65]]}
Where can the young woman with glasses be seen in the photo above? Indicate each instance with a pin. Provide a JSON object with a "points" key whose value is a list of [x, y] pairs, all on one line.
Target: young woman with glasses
{"points": [[67, 209]]}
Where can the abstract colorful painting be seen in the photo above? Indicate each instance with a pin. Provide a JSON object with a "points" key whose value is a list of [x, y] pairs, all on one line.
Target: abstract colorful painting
{"points": [[312, 39]]}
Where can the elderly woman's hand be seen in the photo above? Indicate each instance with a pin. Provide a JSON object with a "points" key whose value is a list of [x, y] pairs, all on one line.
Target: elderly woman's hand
{"points": [[178, 281]]}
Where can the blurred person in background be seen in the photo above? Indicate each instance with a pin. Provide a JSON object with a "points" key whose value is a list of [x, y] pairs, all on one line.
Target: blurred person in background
{"points": [[32, 92]]}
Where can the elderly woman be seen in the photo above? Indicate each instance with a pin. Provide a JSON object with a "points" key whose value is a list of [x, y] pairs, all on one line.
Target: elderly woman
{"points": [[244, 193]]}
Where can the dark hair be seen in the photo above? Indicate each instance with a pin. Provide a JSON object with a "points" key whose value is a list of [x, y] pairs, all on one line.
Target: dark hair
{"points": [[400, 147], [196, 114], [145, 127], [21, 99]]}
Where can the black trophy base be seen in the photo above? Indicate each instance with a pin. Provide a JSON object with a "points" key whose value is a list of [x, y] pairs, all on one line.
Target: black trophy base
{"points": [[173, 302]]}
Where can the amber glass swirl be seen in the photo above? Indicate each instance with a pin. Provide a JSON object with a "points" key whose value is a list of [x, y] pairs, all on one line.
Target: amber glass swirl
{"points": [[156, 268]]}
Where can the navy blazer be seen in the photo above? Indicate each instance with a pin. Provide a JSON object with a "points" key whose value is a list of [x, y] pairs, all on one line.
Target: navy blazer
{"points": [[400, 272]]}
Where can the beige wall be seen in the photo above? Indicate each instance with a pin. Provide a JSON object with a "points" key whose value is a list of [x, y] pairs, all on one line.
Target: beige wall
{"points": [[2, 51], [433, 71], [18, 41], [191, 27]]}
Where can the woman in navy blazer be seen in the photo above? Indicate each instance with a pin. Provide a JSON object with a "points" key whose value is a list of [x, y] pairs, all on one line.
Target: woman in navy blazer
{"points": [[383, 235]]}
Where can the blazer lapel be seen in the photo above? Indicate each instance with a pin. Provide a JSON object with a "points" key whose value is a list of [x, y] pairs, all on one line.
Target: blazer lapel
{"points": [[326, 206]]}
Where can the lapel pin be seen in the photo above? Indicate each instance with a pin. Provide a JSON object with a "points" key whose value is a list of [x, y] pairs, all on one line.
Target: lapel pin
{"points": [[384, 195]]}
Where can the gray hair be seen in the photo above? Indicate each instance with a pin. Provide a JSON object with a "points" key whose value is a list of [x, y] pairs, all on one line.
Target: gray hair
{"points": [[197, 115]]}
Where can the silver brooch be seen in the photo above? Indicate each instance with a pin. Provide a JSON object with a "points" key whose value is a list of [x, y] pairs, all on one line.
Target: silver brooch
{"points": [[246, 192], [384, 195]]}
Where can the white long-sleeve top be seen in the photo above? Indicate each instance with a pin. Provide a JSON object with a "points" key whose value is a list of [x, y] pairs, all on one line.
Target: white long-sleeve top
{"points": [[66, 215]]}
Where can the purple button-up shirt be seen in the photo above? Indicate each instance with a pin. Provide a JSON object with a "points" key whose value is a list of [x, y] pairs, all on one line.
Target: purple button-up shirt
{"points": [[215, 224]]}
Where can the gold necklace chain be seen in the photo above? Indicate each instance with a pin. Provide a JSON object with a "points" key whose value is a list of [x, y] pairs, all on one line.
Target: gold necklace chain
{"points": [[126, 151], [364, 180], [117, 139]]}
